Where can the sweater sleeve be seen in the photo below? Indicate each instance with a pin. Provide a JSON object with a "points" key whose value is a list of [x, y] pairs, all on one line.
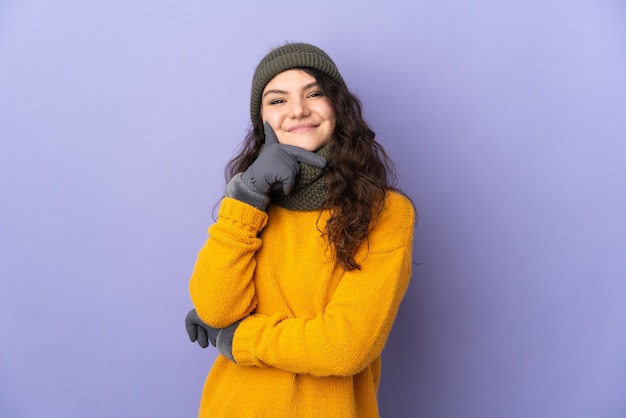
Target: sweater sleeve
{"points": [[354, 327], [221, 285]]}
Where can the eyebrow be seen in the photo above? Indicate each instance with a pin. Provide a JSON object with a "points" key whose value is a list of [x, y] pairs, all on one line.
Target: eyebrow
{"points": [[278, 91]]}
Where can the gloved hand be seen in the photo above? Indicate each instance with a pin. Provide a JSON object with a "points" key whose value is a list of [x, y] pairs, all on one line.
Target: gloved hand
{"points": [[200, 331], [225, 341], [277, 165]]}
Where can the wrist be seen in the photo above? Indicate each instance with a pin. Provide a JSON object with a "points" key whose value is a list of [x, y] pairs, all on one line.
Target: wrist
{"points": [[237, 188], [225, 338]]}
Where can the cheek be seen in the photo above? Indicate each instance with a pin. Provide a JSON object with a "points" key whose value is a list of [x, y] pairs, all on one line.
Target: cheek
{"points": [[328, 112], [274, 119], [332, 118], [271, 116]]}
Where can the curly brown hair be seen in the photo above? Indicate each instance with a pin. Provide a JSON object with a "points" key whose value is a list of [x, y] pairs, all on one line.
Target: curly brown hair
{"points": [[358, 172]]}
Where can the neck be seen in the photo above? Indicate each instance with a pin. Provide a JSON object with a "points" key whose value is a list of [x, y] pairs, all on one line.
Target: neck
{"points": [[310, 190]]}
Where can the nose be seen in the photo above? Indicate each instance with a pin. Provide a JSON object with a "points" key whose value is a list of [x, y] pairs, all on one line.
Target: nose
{"points": [[298, 108]]}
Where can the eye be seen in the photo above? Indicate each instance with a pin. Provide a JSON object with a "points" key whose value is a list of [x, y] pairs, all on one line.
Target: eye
{"points": [[276, 101], [316, 94]]}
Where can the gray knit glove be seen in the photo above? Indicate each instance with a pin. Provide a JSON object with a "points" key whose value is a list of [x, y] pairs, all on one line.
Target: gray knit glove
{"points": [[275, 168], [225, 341], [203, 333], [200, 331]]}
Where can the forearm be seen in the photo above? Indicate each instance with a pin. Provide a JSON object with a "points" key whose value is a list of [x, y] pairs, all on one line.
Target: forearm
{"points": [[342, 340], [222, 286]]}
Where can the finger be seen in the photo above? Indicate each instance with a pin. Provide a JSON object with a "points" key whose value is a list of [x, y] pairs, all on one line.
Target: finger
{"points": [[213, 336], [304, 156], [191, 331], [289, 184], [203, 340], [190, 324], [270, 135]]}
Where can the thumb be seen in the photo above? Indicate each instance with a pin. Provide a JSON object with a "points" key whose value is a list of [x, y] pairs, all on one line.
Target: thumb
{"points": [[270, 136]]}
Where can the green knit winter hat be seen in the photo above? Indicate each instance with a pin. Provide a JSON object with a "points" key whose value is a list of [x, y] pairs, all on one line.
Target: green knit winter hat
{"points": [[287, 57]]}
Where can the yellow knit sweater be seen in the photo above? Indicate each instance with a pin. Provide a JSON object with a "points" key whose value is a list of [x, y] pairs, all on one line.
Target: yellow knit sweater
{"points": [[311, 340]]}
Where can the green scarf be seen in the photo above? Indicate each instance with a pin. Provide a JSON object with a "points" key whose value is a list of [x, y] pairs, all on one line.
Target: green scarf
{"points": [[310, 189]]}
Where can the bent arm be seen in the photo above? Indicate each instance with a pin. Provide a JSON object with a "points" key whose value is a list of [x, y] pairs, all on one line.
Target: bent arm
{"points": [[342, 341], [352, 330], [221, 285]]}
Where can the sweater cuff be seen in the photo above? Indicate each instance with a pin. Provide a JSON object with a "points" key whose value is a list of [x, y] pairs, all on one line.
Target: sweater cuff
{"points": [[243, 345], [238, 212], [237, 189]]}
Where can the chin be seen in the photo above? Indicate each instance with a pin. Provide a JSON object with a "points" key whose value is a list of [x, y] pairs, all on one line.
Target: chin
{"points": [[309, 146]]}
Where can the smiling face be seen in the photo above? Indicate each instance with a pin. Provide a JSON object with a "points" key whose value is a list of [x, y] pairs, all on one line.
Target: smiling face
{"points": [[298, 111]]}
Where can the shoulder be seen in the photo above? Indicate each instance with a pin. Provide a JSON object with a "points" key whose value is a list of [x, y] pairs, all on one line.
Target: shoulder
{"points": [[398, 208], [395, 224]]}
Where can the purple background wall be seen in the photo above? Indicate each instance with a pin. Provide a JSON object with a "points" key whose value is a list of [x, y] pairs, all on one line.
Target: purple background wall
{"points": [[507, 122]]}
